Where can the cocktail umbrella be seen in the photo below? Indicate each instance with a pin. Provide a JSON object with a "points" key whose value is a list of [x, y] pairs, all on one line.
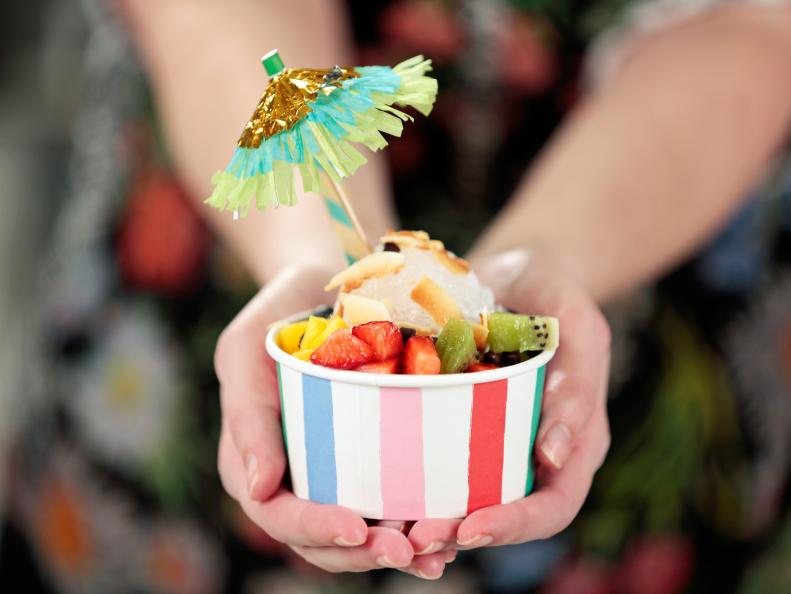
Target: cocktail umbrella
{"points": [[309, 119]]}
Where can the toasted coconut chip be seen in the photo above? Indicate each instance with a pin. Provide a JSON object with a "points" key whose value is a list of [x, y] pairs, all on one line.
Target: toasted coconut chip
{"points": [[415, 239], [480, 333], [404, 242], [435, 301], [453, 263], [421, 235], [360, 310], [351, 285], [373, 265]]}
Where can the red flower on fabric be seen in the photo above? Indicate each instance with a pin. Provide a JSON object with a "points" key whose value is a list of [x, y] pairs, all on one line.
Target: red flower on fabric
{"points": [[424, 26], [579, 576], [162, 243], [786, 353], [656, 565], [527, 65]]}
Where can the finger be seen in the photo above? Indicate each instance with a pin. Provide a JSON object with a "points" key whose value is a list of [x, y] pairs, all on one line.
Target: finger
{"points": [[433, 535], [295, 521], [384, 548], [570, 398], [285, 517], [400, 525], [429, 567], [256, 433], [551, 508], [230, 467]]}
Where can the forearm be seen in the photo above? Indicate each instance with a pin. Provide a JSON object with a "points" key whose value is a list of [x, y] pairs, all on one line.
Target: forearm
{"points": [[650, 167], [202, 58]]}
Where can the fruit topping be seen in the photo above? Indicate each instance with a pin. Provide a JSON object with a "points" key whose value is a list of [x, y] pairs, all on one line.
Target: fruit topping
{"points": [[389, 246], [315, 327], [333, 324], [480, 332], [420, 356], [387, 366], [481, 367], [520, 333], [342, 350], [303, 354], [407, 333], [289, 336], [510, 358], [492, 358], [456, 346], [383, 337], [323, 311]]}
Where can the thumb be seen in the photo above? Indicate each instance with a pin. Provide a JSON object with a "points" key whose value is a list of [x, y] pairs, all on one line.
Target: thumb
{"points": [[501, 272]]}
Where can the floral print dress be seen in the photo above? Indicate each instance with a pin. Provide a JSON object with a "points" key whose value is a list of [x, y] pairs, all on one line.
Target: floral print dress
{"points": [[113, 484]]}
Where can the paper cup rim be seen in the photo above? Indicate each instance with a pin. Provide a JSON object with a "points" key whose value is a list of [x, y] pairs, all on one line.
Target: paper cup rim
{"points": [[395, 380]]}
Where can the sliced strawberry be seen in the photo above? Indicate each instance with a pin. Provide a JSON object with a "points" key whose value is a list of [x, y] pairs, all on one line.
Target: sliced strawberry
{"points": [[387, 366], [420, 356], [480, 367], [383, 337], [342, 350]]}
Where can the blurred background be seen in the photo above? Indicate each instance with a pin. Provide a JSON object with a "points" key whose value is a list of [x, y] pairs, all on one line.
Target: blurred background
{"points": [[113, 292]]}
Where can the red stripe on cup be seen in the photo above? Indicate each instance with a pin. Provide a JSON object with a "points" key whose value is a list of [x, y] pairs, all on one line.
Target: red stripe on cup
{"points": [[486, 444], [403, 485]]}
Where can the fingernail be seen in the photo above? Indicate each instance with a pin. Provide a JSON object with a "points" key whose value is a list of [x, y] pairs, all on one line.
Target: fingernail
{"points": [[400, 526], [385, 561], [342, 542], [480, 540], [433, 547], [556, 445], [450, 555], [251, 468], [423, 576], [505, 268]]}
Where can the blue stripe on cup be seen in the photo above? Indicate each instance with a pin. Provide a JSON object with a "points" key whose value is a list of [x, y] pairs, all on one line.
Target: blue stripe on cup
{"points": [[319, 439]]}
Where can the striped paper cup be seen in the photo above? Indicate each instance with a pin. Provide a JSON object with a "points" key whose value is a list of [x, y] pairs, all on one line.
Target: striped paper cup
{"points": [[407, 447]]}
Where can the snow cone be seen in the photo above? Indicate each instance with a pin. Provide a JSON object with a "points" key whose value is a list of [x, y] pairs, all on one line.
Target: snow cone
{"points": [[413, 397]]}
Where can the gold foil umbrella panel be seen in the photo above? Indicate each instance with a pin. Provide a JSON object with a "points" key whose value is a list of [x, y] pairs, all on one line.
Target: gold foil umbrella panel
{"points": [[287, 99]]}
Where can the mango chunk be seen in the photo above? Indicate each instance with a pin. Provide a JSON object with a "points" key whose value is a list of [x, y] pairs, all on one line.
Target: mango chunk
{"points": [[315, 327], [333, 324], [303, 354], [290, 336]]}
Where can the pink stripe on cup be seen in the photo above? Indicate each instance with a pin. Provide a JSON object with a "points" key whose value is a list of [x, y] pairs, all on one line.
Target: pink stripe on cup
{"points": [[403, 485]]}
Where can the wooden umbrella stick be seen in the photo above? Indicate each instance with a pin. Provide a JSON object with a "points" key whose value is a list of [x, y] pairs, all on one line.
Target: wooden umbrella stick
{"points": [[343, 199]]}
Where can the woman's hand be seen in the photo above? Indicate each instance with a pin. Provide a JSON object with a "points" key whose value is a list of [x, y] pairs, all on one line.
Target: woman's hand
{"points": [[573, 438], [251, 457]]}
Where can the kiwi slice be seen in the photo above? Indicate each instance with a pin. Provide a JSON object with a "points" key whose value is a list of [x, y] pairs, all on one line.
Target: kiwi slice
{"points": [[510, 332], [456, 346]]}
